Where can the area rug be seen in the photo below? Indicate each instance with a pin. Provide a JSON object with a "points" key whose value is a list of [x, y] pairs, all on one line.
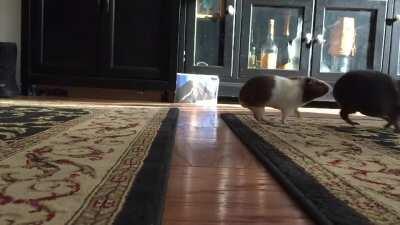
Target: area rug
{"points": [[340, 175], [81, 166]]}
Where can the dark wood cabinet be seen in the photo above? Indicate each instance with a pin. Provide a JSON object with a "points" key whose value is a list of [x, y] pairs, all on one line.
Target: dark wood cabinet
{"points": [[394, 21], [137, 43], [100, 43], [316, 38], [64, 37]]}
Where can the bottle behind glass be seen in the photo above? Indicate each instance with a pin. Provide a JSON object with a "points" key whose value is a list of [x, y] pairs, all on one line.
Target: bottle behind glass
{"points": [[252, 58], [269, 50], [289, 48]]}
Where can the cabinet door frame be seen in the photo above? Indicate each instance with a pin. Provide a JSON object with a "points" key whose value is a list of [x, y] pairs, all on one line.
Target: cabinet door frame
{"points": [[395, 44], [308, 11], [34, 40], [109, 67], [224, 71], [380, 7]]}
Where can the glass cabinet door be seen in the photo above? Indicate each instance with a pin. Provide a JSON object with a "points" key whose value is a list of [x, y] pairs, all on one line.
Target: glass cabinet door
{"points": [[272, 37], [394, 64], [348, 35], [209, 37]]}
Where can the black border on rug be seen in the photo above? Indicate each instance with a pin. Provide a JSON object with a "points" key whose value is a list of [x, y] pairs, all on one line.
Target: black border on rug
{"points": [[144, 205], [322, 206]]}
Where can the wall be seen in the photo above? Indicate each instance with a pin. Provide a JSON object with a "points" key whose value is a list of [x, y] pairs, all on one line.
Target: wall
{"points": [[10, 26]]}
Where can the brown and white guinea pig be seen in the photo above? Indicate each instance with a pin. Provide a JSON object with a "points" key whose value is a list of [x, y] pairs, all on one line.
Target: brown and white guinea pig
{"points": [[285, 94], [371, 93]]}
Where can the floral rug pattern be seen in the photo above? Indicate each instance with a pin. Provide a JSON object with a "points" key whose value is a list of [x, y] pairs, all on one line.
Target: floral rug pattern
{"points": [[17, 122], [358, 165], [71, 166]]}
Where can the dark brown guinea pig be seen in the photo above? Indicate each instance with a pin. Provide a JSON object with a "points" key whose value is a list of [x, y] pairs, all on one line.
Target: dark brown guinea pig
{"points": [[285, 94], [370, 93]]}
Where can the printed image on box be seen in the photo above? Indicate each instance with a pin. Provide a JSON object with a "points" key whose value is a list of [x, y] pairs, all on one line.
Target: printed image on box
{"points": [[196, 88]]}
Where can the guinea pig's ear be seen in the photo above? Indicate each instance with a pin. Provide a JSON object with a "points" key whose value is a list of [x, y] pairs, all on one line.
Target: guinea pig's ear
{"points": [[308, 81]]}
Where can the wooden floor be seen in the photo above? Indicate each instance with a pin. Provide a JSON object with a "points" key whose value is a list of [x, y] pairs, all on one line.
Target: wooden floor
{"points": [[215, 180]]}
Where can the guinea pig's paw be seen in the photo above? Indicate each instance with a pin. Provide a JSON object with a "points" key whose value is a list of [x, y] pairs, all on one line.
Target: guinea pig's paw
{"points": [[297, 113], [352, 123]]}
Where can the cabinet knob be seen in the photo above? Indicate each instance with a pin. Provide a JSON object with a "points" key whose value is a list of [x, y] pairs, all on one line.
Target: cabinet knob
{"points": [[320, 39], [390, 21], [308, 38], [231, 10]]}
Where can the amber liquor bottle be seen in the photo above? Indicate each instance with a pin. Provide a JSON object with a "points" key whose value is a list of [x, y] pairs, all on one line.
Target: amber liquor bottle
{"points": [[269, 50]]}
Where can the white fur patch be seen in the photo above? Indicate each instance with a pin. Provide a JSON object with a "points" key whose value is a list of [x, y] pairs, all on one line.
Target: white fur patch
{"points": [[287, 94]]}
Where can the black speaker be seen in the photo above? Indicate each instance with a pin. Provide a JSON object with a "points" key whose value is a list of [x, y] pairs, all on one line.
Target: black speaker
{"points": [[8, 64]]}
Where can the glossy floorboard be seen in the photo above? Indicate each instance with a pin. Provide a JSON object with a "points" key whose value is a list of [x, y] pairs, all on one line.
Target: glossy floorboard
{"points": [[215, 180]]}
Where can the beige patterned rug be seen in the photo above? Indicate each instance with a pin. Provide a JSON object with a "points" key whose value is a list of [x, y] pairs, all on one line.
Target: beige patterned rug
{"points": [[341, 175], [75, 166]]}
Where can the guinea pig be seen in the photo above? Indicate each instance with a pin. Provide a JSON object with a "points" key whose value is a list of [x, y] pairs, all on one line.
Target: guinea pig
{"points": [[371, 93], [285, 94]]}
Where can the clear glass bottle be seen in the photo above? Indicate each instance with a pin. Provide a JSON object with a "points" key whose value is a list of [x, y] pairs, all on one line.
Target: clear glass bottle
{"points": [[289, 48], [269, 50], [252, 58]]}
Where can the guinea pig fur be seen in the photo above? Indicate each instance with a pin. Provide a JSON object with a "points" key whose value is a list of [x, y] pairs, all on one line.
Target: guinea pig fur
{"points": [[285, 94], [371, 93]]}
